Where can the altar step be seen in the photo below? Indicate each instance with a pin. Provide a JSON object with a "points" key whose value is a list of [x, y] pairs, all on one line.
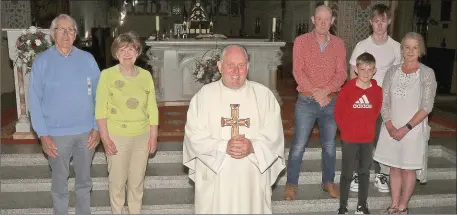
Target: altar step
{"points": [[174, 175], [310, 198], [25, 184], [175, 156]]}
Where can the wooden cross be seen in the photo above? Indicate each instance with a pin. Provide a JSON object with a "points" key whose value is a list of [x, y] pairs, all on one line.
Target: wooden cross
{"points": [[234, 121]]}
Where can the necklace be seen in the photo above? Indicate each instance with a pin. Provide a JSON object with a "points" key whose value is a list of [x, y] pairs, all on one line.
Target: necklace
{"points": [[135, 69]]}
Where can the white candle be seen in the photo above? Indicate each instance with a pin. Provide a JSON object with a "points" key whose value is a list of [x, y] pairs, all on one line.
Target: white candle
{"points": [[326, 3], [157, 23], [274, 25]]}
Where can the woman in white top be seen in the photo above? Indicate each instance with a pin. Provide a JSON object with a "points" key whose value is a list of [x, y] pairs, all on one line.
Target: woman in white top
{"points": [[408, 94]]}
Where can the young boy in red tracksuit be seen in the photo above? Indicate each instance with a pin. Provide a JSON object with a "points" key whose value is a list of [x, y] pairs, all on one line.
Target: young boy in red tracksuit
{"points": [[356, 109]]}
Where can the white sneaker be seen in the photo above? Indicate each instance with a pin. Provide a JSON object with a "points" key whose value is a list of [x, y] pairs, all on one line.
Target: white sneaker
{"points": [[381, 183], [355, 183]]}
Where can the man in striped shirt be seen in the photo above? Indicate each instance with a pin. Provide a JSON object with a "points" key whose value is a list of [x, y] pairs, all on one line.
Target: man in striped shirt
{"points": [[319, 68]]}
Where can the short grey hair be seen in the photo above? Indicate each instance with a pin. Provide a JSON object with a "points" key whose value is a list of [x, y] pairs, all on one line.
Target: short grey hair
{"points": [[63, 16], [321, 5], [125, 39], [418, 38], [234, 45]]}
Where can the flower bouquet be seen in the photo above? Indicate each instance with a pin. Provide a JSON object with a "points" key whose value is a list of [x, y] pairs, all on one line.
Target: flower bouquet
{"points": [[31, 43], [206, 70]]}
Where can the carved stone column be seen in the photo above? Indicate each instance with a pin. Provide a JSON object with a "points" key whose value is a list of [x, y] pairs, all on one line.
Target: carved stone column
{"points": [[23, 125], [21, 79], [157, 67], [273, 67]]}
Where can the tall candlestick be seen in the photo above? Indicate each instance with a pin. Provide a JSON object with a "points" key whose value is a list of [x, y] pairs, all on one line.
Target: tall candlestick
{"points": [[157, 23], [274, 25]]}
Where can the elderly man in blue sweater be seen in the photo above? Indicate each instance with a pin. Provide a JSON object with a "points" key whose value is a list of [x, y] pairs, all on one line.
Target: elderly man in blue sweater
{"points": [[63, 83]]}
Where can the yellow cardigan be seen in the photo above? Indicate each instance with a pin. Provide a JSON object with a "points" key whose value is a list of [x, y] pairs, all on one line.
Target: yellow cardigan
{"points": [[128, 103]]}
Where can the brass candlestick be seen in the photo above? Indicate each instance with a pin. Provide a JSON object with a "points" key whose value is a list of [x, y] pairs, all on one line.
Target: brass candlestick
{"points": [[157, 36]]}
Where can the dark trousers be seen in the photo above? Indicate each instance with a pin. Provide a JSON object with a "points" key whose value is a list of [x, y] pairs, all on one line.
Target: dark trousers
{"points": [[377, 167], [363, 161]]}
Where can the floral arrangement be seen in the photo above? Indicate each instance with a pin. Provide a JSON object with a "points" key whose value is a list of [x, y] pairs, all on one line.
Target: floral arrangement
{"points": [[206, 70], [31, 43]]}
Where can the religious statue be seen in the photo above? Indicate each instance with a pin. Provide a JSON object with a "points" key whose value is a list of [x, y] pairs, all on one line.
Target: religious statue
{"points": [[198, 13]]}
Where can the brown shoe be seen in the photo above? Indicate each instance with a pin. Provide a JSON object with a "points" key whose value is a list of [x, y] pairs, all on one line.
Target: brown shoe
{"points": [[289, 192], [331, 189]]}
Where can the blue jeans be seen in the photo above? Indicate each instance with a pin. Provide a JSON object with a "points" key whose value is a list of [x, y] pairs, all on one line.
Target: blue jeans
{"points": [[307, 111]]}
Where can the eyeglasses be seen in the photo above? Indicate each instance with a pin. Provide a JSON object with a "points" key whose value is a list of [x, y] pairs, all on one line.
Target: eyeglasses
{"points": [[127, 51], [63, 30]]}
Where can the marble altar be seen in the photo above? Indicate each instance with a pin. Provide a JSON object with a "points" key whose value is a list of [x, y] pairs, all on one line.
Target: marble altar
{"points": [[173, 63]]}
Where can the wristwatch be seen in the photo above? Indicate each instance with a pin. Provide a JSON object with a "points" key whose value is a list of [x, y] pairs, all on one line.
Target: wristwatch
{"points": [[409, 126]]}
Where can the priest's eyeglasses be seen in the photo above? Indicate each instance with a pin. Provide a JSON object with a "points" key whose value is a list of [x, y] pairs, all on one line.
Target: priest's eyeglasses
{"points": [[65, 30]]}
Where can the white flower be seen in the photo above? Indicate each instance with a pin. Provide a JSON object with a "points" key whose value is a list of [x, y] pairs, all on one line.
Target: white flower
{"points": [[28, 42], [32, 29], [38, 42], [32, 53], [24, 31], [200, 73]]}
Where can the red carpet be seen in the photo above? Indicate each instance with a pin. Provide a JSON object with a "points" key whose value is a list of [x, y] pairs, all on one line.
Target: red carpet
{"points": [[172, 120]]}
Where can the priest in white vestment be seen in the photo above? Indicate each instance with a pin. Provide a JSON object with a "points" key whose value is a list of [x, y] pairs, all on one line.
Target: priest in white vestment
{"points": [[234, 141]]}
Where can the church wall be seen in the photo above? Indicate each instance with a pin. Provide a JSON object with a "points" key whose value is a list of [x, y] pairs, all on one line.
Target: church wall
{"points": [[437, 32], [89, 14], [265, 11], [7, 79], [20, 10]]}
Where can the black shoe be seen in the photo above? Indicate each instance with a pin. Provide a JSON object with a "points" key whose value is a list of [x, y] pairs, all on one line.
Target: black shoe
{"points": [[343, 210], [362, 210]]}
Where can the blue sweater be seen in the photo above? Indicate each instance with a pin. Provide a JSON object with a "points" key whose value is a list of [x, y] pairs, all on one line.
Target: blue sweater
{"points": [[62, 92]]}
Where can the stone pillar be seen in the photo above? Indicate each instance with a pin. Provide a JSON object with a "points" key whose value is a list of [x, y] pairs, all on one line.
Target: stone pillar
{"points": [[345, 24], [21, 79], [404, 19], [273, 64], [393, 12], [157, 66], [16, 15]]}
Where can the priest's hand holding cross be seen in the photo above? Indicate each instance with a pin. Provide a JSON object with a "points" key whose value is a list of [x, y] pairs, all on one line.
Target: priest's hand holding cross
{"points": [[239, 147]]}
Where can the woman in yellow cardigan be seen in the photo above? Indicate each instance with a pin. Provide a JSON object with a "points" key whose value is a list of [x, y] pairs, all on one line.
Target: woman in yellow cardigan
{"points": [[127, 117]]}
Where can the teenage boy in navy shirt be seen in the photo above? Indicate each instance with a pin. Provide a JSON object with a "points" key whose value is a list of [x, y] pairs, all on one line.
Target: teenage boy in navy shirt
{"points": [[356, 110]]}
